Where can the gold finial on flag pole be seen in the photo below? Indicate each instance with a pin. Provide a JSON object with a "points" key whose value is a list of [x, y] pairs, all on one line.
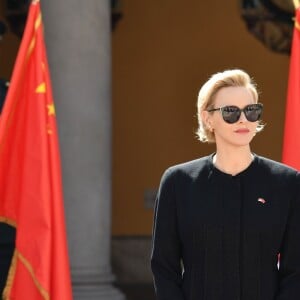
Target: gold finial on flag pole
{"points": [[297, 5]]}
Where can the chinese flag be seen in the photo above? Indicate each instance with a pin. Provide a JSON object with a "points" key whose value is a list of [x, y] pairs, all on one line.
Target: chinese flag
{"points": [[30, 176], [291, 141]]}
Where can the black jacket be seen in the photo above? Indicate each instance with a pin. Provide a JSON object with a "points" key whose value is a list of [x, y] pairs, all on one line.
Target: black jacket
{"points": [[217, 236], [7, 246]]}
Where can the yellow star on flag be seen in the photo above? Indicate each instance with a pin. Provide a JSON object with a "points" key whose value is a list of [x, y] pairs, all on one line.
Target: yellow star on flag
{"points": [[49, 129], [41, 89], [51, 109]]}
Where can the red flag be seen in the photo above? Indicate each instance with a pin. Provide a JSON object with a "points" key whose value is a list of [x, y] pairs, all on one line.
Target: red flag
{"points": [[291, 141], [30, 175]]}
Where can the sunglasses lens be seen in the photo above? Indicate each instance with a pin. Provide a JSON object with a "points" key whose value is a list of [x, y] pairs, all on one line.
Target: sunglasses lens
{"points": [[231, 114], [253, 112]]}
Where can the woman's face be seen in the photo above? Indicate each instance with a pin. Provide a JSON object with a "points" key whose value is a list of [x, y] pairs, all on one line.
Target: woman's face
{"points": [[237, 134]]}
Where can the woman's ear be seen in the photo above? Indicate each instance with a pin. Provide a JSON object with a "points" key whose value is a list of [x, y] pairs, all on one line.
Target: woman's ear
{"points": [[205, 116]]}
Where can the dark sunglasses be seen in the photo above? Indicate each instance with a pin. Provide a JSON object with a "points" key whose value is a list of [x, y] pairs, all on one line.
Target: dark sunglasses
{"points": [[231, 114]]}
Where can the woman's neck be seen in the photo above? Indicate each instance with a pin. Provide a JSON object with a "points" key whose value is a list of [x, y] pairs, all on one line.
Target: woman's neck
{"points": [[233, 162]]}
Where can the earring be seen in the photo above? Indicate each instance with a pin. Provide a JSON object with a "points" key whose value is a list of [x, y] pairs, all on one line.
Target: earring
{"points": [[210, 128]]}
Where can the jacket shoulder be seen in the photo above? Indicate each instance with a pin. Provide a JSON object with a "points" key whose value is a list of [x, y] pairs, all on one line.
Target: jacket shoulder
{"points": [[276, 168], [190, 169]]}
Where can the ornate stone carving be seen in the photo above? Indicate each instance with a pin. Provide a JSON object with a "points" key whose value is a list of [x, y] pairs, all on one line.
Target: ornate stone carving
{"points": [[271, 21]]}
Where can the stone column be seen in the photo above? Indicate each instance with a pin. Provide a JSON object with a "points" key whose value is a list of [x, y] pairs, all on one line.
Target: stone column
{"points": [[78, 44]]}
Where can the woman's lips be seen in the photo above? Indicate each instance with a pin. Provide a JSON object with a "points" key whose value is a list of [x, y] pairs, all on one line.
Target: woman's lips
{"points": [[242, 130]]}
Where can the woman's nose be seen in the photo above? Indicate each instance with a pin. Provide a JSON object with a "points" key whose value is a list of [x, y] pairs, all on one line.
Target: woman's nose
{"points": [[242, 118]]}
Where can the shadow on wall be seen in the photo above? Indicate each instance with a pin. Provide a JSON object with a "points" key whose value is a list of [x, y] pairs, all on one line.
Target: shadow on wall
{"points": [[131, 265]]}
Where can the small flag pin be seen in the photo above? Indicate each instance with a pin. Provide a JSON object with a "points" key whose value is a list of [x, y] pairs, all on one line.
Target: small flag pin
{"points": [[261, 200]]}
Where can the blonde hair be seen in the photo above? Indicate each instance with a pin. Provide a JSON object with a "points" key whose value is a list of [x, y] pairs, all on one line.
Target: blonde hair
{"points": [[228, 78]]}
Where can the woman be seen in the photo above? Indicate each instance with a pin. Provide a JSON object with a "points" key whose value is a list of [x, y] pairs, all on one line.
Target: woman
{"points": [[222, 220]]}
